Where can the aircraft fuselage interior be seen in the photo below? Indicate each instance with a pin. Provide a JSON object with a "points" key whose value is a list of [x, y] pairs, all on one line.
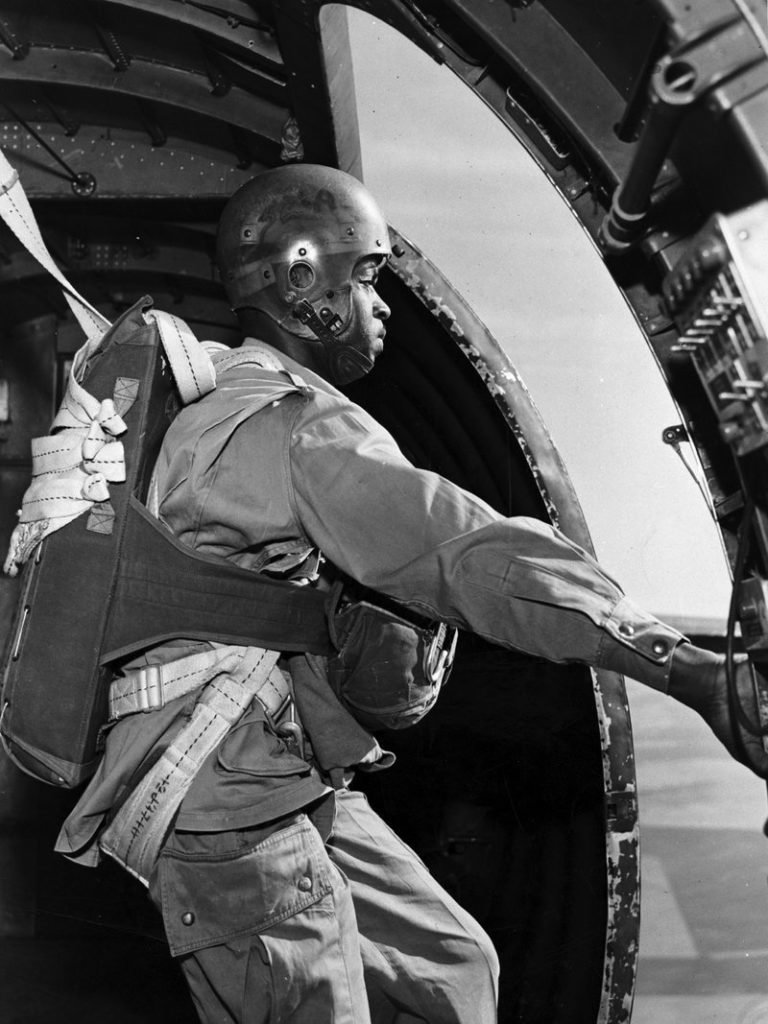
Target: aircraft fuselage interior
{"points": [[130, 122]]}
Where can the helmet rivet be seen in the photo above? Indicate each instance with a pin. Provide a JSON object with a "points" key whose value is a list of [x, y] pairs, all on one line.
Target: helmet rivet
{"points": [[302, 252], [350, 231], [378, 241], [290, 296], [247, 233], [266, 273]]}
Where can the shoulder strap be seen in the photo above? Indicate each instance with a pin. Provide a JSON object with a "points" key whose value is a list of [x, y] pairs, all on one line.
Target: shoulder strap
{"points": [[257, 355], [191, 366]]}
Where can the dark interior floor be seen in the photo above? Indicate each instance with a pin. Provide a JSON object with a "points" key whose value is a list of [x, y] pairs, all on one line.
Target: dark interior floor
{"points": [[114, 980]]}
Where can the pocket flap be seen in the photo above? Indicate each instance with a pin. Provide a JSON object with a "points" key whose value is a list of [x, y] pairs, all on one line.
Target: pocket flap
{"points": [[253, 749], [208, 900]]}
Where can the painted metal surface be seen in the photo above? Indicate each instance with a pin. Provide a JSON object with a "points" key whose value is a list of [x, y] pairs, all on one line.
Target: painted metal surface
{"points": [[611, 707]]}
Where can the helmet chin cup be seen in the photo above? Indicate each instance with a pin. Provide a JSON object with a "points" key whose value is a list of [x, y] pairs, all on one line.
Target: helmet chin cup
{"points": [[347, 364]]}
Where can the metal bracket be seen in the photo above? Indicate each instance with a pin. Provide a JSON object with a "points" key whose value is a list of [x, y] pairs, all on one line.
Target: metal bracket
{"points": [[675, 434]]}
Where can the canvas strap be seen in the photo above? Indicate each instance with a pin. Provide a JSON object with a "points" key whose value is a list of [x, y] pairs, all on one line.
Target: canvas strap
{"points": [[235, 677], [153, 686], [17, 214]]}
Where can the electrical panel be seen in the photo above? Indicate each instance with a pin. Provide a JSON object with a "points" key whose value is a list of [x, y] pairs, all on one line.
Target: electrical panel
{"points": [[718, 296]]}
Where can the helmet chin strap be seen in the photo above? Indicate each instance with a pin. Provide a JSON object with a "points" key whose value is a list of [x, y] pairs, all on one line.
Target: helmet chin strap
{"points": [[345, 363]]}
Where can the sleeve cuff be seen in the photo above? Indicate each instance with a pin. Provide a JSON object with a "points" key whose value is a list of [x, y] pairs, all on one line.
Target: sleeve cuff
{"points": [[638, 645]]}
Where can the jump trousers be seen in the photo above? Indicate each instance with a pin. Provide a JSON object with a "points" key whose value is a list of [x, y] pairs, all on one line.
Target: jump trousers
{"points": [[353, 931]]}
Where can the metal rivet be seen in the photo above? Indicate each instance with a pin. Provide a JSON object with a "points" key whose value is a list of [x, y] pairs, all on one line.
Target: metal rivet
{"points": [[350, 231], [302, 252], [247, 233], [660, 648], [188, 918], [626, 629], [305, 884]]}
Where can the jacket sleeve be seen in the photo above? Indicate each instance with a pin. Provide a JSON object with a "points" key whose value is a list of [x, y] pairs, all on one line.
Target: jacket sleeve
{"points": [[418, 538]]}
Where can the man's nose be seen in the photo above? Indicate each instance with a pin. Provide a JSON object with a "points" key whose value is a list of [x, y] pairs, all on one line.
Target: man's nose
{"points": [[380, 309]]}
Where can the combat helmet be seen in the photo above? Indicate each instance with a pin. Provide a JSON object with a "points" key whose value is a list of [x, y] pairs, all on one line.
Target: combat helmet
{"points": [[289, 240]]}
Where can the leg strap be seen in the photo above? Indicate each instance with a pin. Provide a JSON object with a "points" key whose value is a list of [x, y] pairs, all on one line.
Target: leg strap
{"points": [[136, 835]]}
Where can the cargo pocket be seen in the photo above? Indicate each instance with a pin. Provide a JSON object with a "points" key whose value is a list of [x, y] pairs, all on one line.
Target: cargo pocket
{"points": [[210, 899]]}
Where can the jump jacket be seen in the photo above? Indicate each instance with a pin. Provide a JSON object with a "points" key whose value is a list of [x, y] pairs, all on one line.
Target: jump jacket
{"points": [[313, 471]]}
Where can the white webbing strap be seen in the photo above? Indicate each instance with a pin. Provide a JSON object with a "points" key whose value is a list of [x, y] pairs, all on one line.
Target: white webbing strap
{"points": [[190, 364], [258, 355], [17, 214], [154, 686], [71, 470], [135, 836]]}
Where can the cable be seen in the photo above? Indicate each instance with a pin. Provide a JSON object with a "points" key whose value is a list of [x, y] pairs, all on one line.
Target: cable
{"points": [[82, 182], [737, 711], [675, 446]]}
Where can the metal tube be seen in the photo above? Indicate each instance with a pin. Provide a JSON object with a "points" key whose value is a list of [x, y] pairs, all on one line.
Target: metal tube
{"points": [[674, 87]]}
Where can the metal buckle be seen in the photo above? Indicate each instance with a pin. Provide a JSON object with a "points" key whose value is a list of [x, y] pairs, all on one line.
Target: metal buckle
{"points": [[440, 653], [150, 693], [291, 733]]}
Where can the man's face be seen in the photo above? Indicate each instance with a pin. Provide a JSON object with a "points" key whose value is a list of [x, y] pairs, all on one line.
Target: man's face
{"points": [[368, 311]]}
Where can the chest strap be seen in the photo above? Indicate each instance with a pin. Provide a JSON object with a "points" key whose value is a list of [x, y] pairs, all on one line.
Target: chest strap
{"points": [[230, 683]]}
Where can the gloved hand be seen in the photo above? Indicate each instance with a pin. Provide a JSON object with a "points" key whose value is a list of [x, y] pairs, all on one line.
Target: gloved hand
{"points": [[698, 679]]}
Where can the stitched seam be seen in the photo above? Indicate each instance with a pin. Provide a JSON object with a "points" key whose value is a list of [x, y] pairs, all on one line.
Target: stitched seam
{"points": [[151, 804], [58, 472], [141, 687], [43, 258], [288, 474], [184, 350]]}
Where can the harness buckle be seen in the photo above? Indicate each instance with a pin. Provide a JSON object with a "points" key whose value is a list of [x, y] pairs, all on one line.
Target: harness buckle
{"points": [[150, 691], [291, 733], [438, 659]]}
